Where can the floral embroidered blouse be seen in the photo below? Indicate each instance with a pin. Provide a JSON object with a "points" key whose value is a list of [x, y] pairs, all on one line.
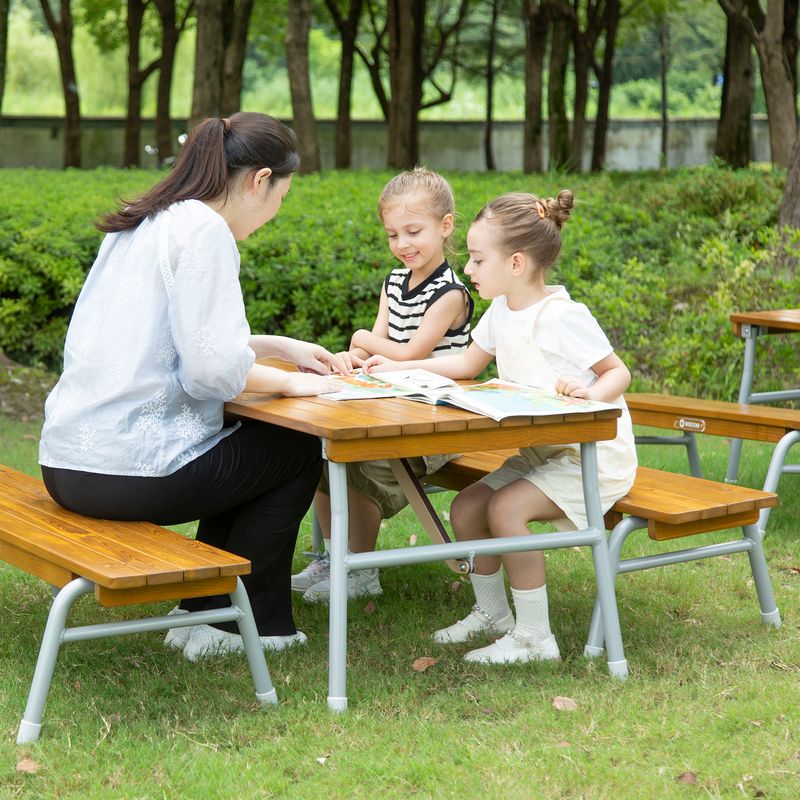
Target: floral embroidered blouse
{"points": [[157, 343]]}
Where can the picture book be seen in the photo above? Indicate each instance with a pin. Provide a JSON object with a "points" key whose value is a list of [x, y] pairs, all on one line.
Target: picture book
{"points": [[493, 398]]}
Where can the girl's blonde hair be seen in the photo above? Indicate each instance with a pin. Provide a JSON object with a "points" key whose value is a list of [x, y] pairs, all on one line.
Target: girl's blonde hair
{"points": [[529, 224], [428, 188]]}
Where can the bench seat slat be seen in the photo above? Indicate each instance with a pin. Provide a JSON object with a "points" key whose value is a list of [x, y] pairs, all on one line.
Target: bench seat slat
{"points": [[195, 560], [75, 556], [110, 553]]}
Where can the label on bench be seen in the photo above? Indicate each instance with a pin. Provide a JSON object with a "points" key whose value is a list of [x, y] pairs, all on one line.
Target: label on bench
{"points": [[689, 424]]}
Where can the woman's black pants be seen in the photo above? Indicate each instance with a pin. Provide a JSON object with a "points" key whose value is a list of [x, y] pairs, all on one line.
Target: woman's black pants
{"points": [[249, 492]]}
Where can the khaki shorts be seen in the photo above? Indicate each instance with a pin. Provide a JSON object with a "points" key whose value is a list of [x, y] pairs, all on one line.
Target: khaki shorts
{"points": [[375, 480]]}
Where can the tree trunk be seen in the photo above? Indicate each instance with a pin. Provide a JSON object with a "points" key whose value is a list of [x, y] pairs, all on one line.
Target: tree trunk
{"points": [[733, 140], [536, 26], [208, 58], [348, 30], [558, 128], [663, 52], [790, 13], [62, 33], [582, 59], [605, 81], [487, 134], [3, 48], [169, 43], [789, 213], [238, 16], [133, 119], [297, 28], [400, 149], [777, 82], [766, 32]]}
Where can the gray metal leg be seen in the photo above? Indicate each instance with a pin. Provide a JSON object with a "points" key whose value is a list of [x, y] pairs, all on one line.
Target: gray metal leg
{"points": [[758, 564], [694, 455], [749, 334], [595, 640], [776, 469], [337, 644], [617, 665], [687, 439], [265, 691], [48, 653]]}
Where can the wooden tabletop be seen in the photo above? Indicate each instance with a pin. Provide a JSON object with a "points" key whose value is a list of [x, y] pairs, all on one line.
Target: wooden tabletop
{"points": [[358, 430], [781, 321]]}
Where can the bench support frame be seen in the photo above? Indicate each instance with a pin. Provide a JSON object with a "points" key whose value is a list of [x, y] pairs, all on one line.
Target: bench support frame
{"points": [[56, 633], [750, 334], [749, 543]]}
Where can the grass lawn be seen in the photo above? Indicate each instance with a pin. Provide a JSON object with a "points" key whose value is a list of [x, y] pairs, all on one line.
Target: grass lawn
{"points": [[711, 708]]}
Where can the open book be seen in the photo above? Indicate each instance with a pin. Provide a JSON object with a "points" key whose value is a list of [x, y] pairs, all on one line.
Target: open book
{"points": [[494, 398]]}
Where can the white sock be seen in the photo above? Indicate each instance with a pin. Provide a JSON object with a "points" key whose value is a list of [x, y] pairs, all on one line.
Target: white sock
{"points": [[490, 594], [533, 620], [327, 545]]}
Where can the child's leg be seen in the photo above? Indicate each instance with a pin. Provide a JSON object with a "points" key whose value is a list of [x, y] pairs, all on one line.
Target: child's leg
{"points": [[491, 613], [364, 515], [508, 514]]}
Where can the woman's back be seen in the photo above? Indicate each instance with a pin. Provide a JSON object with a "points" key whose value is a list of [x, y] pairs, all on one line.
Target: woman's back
{"points": [[158, 341]]}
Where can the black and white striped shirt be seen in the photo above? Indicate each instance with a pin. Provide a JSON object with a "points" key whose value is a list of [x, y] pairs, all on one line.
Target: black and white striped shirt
{"points": [[407, 306]]}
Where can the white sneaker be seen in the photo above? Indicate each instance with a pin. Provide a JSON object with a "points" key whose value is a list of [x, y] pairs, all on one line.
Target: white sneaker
{"points": [[318, 570], [513, 648], [207, 641], [475, 623], [177, 638], [359, 583]]}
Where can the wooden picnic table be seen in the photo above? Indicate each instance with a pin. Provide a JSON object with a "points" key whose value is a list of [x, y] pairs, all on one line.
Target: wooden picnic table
{"points": [[397, 429]]}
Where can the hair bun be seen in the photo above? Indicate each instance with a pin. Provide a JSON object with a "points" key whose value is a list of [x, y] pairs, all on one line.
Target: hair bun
{"points": [[558, 208]]}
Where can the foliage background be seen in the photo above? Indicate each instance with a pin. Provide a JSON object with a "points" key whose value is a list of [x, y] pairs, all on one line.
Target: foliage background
{"points": [[697, 54], [660, 258]]}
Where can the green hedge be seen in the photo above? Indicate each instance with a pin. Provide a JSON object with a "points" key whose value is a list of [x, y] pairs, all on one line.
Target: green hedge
{"points": [[661, 258]]}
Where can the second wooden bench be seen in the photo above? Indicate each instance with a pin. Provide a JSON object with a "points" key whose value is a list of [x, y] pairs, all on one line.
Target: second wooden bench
{"points": [[687, 416], [669, 506]]}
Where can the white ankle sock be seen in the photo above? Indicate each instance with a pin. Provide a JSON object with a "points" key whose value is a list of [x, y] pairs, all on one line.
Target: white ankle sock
{"points": [[530, 607], [490, 594]]}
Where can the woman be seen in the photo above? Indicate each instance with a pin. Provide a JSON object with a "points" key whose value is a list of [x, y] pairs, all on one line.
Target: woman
{"points": [[157, 343]]}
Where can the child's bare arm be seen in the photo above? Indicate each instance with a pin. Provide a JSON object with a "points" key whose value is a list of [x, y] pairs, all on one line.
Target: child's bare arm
{"points": [[613, 378], [458, 367], [441, 317]]}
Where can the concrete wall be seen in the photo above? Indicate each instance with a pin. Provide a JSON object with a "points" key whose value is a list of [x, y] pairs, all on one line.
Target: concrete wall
{"points": [[458, 146]]}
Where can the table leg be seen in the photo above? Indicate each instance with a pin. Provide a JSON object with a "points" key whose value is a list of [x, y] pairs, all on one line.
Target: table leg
{"points": [[337, 644], [617, 665], [749, 334]]}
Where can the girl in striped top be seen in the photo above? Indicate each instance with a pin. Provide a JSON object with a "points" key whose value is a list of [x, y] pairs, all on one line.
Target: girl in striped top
{"points": [[424, 310]]}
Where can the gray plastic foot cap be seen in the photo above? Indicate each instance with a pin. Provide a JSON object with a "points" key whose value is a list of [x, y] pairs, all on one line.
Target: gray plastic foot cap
{"points": [[28, 732]]}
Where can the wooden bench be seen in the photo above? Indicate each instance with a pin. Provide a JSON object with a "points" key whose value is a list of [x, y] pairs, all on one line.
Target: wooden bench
{"points": [[689, 416], [122, 563], [669, 506]]}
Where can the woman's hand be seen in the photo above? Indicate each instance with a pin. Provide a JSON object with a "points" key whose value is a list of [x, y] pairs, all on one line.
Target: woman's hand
{"points": [[315, 358], [569, 387], [306, 384]]}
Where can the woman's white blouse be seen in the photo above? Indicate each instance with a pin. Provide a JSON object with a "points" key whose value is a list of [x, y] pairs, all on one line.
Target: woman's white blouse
{"points": [[157, 343]]}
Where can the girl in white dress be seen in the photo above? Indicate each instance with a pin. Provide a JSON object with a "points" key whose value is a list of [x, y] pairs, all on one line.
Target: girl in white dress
{"points": [[540, 337]]}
